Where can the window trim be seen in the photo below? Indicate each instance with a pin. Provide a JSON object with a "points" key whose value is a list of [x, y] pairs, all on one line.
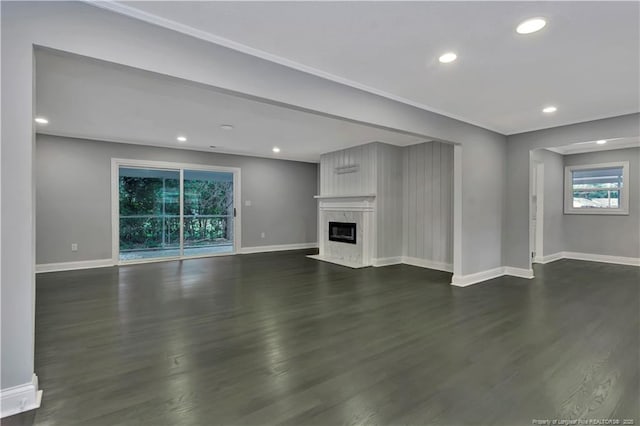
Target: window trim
{"points": [[623, 208]]}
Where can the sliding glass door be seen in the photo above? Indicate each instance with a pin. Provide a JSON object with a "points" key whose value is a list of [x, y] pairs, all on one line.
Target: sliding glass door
{"points": [[208, 212], [165, 212], [149, 213]]}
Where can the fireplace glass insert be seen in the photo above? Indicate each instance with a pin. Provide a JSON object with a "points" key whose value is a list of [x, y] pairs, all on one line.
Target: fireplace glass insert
{"points": [[343, 232]]}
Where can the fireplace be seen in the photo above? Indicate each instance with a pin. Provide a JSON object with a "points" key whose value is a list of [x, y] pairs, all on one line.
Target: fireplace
{"points": [[346, 230], [343, 232]]}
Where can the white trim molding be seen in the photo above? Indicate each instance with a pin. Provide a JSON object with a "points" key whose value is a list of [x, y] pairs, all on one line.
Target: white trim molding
{"points": [[429, 264], [478, 277], [589, 257], [366, 244], [549, 258], [623, 207], [618, 260], [386, 261], [399, 260], [352, 197], [280, 247], [341, 262], [180, 167], [489, 274], [518, 272], [71, 266], [21, 398], [105, 263]]}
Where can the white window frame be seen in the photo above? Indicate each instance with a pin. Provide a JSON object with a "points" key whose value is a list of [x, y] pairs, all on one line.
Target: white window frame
{"points": [[623, 208], [116, 163]]}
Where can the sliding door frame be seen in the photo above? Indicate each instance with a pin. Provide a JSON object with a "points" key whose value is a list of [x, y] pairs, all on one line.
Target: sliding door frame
{"points": [[116, 163]]}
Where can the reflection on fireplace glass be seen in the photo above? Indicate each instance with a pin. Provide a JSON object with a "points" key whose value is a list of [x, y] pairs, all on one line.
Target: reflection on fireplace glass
{"points": [[343, 232]]}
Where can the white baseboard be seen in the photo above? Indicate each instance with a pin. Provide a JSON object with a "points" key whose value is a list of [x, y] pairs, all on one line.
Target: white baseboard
{"points": [[619, 260], [281, 247], [414, 261], [429, 264], [386, 261], [518, 272], [549, 258], [478, 277], [102, 263], [335, 261], [70, 266], [465, 280], [21, 398]]}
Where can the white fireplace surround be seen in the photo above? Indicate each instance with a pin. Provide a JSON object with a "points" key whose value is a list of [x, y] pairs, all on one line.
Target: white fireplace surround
{"points": [[359, 209]]}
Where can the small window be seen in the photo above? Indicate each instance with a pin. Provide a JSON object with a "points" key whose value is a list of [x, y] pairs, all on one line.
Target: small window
{"points": [[597, 189]]}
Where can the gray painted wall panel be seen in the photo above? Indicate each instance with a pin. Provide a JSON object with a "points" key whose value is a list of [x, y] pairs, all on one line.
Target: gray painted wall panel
{"points": [[414, 203], [423, 200], [412, 199], [516, 241], [389, 201], [605, 234], [428, 201], [553, 240], [360, 182], [73, 198]]}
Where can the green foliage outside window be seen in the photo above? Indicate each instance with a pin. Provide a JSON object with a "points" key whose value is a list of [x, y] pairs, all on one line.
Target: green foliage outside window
{"points": [[150, 212]]}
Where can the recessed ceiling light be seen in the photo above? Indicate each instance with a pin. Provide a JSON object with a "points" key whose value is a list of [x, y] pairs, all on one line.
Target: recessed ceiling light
{"points": [[531, 26], [275, 149], [549, 109], [181, 138], [41, 120], [448, 57], [601, 142], [226, 127]]}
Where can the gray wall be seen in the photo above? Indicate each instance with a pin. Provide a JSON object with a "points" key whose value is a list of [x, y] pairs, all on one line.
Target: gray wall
{"points": [[516, 238], [74, 27], [428, 202], [73, 198], [389, 201], [360, 182], [553, 215], [605, 234]]}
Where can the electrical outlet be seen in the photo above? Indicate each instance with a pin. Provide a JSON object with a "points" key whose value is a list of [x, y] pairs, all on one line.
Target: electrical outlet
{"points": [[247, 203], [262, 235], [74, 247]]}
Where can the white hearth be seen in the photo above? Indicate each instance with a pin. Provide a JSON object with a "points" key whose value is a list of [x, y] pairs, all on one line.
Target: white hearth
{"points": [[358, 209]]}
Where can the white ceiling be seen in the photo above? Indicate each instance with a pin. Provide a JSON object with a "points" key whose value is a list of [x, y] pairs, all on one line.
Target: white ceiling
{"points": [[586, 61], [91, 99], [591, 146]]}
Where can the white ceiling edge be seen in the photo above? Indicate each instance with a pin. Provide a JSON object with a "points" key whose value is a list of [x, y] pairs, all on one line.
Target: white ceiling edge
{"points": [[150, 18], [591, 146], [283, 157], [595, 118]]}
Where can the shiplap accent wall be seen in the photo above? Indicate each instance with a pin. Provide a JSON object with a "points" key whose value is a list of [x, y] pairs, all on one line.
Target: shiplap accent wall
{"points": [[414, 195], [389, 201], [360, 182], [428, 202]]}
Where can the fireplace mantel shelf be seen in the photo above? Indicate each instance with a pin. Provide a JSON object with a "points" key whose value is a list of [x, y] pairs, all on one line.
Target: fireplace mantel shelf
{"points": [[328, 197]]}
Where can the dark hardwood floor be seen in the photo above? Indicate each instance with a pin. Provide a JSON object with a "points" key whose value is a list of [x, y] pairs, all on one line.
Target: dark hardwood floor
{"points": [[282, 339]]}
